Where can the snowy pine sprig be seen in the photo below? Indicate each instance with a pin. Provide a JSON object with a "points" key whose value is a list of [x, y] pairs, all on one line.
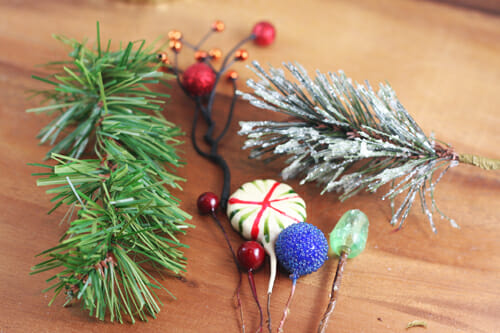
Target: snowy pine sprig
{"points": [[348, 137]]}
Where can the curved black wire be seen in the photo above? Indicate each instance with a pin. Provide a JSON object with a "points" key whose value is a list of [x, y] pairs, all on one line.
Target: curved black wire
{"points": [[206, 111]]}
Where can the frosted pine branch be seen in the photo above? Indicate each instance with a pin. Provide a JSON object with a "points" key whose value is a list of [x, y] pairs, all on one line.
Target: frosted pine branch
{"points": [[347, 137]]}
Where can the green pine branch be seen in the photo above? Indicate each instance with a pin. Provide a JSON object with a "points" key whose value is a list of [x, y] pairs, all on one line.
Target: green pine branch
{"points": [[123, 221], [347, 137]]}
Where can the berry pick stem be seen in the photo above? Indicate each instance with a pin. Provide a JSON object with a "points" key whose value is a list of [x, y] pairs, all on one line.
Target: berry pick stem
{"points": [[251, 257], [238, 298], [333, 294], [208, 203], [347, 239], [287, 306], [251, 281]]}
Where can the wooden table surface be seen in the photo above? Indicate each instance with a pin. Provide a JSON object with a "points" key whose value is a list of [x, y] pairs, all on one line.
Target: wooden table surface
{"points": [[444, 62]]}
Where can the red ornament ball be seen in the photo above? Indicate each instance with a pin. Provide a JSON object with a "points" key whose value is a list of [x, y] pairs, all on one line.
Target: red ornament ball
{"points": [[207, 202], [251, 255], [198, 79], [264, 33]]}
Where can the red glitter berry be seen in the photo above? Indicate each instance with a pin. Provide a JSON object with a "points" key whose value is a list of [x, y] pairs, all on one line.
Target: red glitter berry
{"points": [[264, 33], [251, 255], [207, 202], [198, 79]]}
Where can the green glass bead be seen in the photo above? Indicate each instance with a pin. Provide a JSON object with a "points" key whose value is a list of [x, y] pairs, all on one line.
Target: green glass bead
{"points": [[349, 234]]}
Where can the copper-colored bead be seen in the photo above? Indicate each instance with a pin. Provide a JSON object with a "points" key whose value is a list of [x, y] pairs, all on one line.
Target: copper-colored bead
{"points": [[175, 45], [215, 54], [218, 26], [241, 55], [162, 56], [232, 75], [174, 35], [200, 55]]}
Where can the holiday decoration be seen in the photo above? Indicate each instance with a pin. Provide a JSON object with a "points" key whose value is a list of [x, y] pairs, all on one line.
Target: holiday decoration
{"points": [[208, 203], [264, 33], [349, 137], [126, 219], [251, 257], [301, 249], [200, 80], [260, 210], [347, 240]]}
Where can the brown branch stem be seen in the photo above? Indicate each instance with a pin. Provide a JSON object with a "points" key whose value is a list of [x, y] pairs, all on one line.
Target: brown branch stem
{"points": [[334, 293], [480, 161]]}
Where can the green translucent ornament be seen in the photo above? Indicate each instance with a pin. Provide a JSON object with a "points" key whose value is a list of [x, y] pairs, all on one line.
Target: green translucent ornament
{"points": [[347, 240], [349, 234]]}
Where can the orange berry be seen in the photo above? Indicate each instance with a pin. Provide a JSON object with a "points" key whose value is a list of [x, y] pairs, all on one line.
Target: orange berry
{"points": [[241, 55]]}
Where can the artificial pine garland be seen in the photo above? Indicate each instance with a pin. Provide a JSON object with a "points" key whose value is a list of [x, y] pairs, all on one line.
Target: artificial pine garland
{"points": [[349, 138], [126, 219]]}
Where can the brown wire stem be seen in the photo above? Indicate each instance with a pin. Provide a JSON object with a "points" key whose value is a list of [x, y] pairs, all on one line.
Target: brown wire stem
{"points": [[219, 224], [251, 281], [287, 305], [334, 293]]}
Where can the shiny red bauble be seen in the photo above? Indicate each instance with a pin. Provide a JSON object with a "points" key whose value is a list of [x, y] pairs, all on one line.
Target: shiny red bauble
{"points": [[198, 79], [264, 33], [251, 255], [207, 202]]}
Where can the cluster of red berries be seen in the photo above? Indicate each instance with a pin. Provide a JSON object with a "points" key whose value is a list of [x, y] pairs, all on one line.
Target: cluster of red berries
{"points": [[199, 79]]}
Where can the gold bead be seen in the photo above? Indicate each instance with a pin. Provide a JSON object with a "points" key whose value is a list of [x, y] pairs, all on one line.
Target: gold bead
{"points": [[241, 55], [232, 75], [175, 45], [162, 56], [174, 35], [200, 55], [215, 54], [218, 26]]}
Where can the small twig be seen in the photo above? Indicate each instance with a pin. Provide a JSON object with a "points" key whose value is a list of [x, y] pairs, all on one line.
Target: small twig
{"points": [[334, 293], [480, 161]]}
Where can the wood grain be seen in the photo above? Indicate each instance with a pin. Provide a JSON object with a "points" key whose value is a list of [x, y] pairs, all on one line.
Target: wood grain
{"points": [[444, 62]]}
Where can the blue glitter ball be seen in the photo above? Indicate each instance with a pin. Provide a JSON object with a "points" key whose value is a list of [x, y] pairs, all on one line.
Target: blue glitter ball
{"points": [[301, 249]]}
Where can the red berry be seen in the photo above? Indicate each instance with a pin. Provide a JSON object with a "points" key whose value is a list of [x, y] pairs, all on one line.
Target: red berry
{"points": [[251, 255], [207, 202], [198, 79], [264, 33]]}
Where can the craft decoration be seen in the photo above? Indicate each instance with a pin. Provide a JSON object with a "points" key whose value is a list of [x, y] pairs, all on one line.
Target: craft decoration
{"points": [[251, 257], [126, 219], [301, 249], [341, 126], [199, 82], [208, 203], [260, 210], [347, 240]]}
